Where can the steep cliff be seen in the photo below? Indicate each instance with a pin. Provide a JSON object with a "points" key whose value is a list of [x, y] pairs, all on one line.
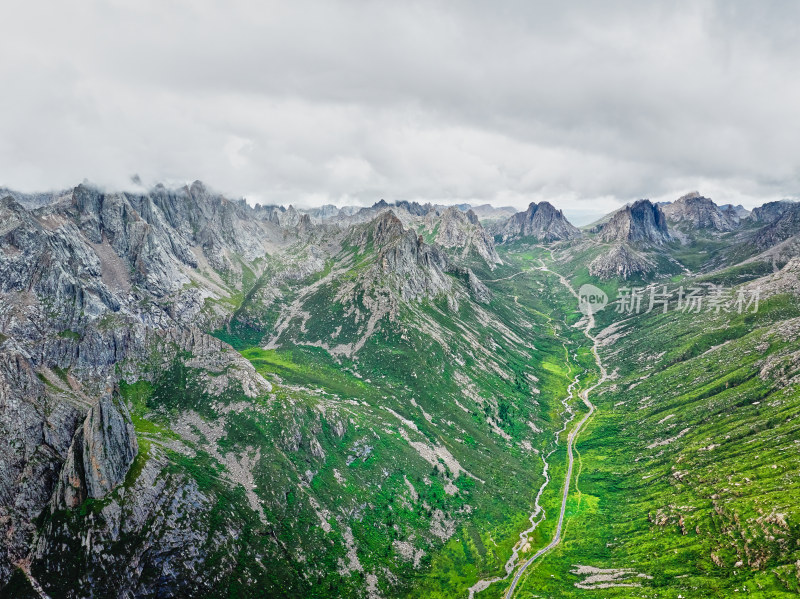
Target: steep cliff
{"points": [[641, 223], [698, 212], [542, 222]]}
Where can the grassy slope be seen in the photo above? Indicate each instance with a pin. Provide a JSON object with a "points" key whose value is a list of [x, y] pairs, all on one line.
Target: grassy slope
{"points": [[538, 295], [629, 509], [713, 511], [400, 363], [328, 435]]}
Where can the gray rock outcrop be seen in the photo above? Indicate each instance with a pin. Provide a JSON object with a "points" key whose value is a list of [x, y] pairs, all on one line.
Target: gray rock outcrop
{"points": [[642, 223], [698, 212], [101, 452], [772, 211], [738, 210], [621, 261], [463, 232], [783, 222], [419, 269], [542, 222]]}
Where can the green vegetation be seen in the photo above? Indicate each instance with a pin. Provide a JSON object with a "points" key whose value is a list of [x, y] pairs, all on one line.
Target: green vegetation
{"points": [[70, 335], [406, 440], [484, 387], [18, 587], [687, 469]]}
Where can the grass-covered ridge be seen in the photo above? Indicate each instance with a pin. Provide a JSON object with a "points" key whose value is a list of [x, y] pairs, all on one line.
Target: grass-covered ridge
{"points": [[351, 442], [409, 466]]}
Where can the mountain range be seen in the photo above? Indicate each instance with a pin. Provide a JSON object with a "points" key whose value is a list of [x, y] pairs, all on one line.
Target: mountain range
{"points": [[201, 397]]}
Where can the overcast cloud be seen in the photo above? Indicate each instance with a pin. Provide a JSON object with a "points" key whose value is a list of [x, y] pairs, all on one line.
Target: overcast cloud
{"points": [[588, 105]]}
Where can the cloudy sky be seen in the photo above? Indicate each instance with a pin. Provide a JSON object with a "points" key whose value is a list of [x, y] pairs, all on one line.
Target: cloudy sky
{"points": [[588, 105]]}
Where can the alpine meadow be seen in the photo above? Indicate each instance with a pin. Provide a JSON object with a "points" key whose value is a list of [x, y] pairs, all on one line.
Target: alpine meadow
{"points": [[442, 317]]}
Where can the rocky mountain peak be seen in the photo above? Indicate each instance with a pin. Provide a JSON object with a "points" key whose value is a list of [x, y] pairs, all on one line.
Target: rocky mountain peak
{"points": [[10, 204], [198, 189], [689, 196], [783, 222], [387, 228], [545, 208], [641, 223], [416, 268], [463, 231], [700, 212], [542, 221], [621, 261], [414, 208], [304, 224], [406, 262], [12, 214], [738, 210], [35, 200], [772, 211]]}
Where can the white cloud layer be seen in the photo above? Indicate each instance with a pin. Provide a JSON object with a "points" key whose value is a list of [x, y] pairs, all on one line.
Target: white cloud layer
{"points": [[588, 105]]}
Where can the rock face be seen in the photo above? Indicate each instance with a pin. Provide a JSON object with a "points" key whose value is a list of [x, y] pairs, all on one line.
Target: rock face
{"points": [[487, 212], [419, 269], [463, 231], [642, 223], [772, 211], [542, 222], [698, 212], [101, 452], [479, 291], [737, 210], [35, 200], [324, 212], [621, 261], [632, 230], [35, 434], [93, 285], [783, 222], [105, 300], [96, 252], [415, 208]]}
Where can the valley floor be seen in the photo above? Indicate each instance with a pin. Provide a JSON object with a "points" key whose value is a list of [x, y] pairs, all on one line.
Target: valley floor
{"points": [[680, 488]]}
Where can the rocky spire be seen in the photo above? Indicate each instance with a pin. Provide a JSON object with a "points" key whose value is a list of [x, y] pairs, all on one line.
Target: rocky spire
{"points": [[542, 222], [102, 450], [642, 223], [463, 232]]}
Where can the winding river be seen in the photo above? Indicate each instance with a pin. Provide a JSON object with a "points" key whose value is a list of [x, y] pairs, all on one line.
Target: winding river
{"points": [[571, 437]]}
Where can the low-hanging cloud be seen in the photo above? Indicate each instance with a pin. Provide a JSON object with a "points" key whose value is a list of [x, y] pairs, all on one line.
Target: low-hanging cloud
{"points": [[587, 105]]}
